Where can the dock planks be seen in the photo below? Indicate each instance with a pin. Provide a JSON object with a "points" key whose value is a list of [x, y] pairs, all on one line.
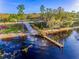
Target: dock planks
{"points": [[11, 35]]}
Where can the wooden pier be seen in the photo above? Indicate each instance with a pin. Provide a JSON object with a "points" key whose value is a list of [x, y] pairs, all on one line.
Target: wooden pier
{"points": [[54, 31], [42, 33], [11, 35], [53, 42], [9, 23]]}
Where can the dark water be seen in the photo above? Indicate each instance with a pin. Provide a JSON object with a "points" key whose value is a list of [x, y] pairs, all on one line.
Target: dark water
{"points": [[41, 49]]}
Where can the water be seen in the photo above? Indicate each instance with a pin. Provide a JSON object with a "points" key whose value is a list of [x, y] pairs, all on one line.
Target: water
{"points": [[41, 49], [71, 47], [30, 29]]}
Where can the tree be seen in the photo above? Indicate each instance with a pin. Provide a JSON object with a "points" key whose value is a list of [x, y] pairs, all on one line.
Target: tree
{"points": [[42, 9], [54, 11], [60, 12], [57, 18], [20, 9], [49, 14], [21, 15]]}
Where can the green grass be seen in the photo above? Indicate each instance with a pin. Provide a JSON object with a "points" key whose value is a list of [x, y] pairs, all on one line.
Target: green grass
{"points": [[12, 29]]}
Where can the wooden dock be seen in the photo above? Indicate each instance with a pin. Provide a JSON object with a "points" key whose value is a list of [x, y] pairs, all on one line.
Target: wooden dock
{"points": [[8, 23], [54, 31], [53, 41], [11, 35], [42, 33]]}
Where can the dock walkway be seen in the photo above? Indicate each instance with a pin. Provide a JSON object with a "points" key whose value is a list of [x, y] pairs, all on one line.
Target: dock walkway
{"points": [[42, 33], [11, 35], [46, 32], [54, 42]]}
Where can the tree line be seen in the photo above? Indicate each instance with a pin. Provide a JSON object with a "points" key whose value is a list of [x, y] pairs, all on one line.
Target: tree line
{"points": [[54, 18]]}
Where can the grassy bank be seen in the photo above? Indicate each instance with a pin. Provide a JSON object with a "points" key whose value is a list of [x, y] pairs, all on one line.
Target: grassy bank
{"points": [[13, 29]]}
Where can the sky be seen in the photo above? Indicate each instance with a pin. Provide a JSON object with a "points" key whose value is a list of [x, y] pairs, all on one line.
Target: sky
{"points": [[33, 6]]}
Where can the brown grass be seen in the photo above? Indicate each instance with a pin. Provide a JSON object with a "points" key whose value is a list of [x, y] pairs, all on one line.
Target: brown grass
{"points": [[4, 16]]}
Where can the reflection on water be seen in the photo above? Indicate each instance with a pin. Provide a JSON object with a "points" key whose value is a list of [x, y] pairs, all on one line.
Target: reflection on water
{"points": [[41, 48], [60, 37], [71, 47]]}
